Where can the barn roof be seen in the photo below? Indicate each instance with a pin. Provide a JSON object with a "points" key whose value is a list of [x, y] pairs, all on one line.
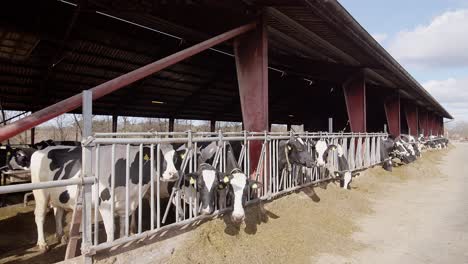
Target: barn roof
{"points": [[50, 50]]}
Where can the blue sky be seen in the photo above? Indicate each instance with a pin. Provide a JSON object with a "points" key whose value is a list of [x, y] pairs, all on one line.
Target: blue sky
{"points": [[429, 38]]}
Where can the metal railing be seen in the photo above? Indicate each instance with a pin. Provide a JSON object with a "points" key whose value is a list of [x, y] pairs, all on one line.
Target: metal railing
{"points": [[361, 149]]}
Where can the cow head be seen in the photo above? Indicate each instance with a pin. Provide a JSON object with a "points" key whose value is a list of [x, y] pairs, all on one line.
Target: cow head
{"points": [[172, 161], [298, 154], [403, 152], [321, 149], [19, 159], [240, 186], [206, 179]]}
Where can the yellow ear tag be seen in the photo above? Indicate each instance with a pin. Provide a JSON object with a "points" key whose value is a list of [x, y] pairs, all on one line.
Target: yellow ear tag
{"points": [[226, 179], [146, 157], [183, 155], [289, 147], [192, 180], [254, 186]]}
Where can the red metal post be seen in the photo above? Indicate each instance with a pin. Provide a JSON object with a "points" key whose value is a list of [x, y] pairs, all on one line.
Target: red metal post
{"points": [[99, 91], [392, 111], [355, 97], [423, 122], [411, 112], [442, 126], [431, 123], [251, 54]]}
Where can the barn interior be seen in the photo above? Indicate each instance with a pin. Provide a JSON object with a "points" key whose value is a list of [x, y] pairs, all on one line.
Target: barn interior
{"points": [[51, 50]]}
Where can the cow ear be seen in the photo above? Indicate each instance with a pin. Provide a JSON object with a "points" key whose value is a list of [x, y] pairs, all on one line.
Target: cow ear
{"points": [[225, 178], [289, 145], [254, 184], [332, 147], [191, 178]]}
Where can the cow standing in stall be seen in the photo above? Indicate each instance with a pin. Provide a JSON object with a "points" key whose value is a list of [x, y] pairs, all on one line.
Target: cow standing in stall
{"points": [[62, 162]]}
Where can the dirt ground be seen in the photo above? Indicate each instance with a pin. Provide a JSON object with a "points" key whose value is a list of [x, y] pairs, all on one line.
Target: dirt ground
{"points": [[417, 214]]}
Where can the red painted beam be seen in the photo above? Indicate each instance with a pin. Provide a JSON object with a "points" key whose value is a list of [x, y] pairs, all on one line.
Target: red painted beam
{"points": [[392, 111], [355, 97], [411, 112], [74, 102], [432, 124], [251, 54], [442, 131], [423, 122]]}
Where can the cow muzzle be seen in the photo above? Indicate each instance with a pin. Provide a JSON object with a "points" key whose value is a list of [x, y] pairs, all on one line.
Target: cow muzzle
{"points": [[206, 211], [237, 218], [170, 175]]}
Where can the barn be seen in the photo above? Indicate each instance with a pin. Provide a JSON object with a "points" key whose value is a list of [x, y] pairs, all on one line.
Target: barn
{"points": [[259, 62]]}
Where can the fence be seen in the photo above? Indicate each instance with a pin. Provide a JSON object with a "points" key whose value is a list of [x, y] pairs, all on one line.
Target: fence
{"points": [[361, 149]]}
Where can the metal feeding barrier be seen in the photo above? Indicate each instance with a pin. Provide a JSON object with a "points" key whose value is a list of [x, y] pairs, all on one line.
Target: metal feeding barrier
{"points": [[104, 152]]}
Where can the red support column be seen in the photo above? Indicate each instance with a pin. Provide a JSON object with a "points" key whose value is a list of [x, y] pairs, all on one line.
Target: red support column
{"points": [[251, 54], [422, 116], [411, 112], [392, 111], [355, 96], [442, 126], [431, 122]]}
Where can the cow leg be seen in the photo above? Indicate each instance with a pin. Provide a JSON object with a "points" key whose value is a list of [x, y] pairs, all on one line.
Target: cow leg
{"points": [[107, 219], [133, 224], [40, 213], [58, 212]]}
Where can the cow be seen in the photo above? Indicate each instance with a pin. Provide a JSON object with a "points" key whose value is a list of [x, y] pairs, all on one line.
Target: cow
{"points": [[234, 185], [411, 144], [19, 158], [386, 149], [404, 152], [343, 170], [64, 162]]}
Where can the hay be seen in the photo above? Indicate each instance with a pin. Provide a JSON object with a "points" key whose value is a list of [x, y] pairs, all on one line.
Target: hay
{"points": [[296, 228]]}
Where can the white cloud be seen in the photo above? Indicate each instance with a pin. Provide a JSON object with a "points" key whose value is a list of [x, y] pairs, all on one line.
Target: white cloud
{"points": [[441, 43], [380, 37], [452, 94]]}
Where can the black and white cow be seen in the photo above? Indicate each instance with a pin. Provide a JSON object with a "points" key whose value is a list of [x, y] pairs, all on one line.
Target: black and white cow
{"points": [[404, 152], [343, 167], [411, 144], [63, 162], [387, 146], [236, 184], [294, 151], [19, 158]]}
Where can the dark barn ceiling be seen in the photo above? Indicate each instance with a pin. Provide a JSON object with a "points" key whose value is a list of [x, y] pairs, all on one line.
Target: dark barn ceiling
{"points": [[50, 50]]}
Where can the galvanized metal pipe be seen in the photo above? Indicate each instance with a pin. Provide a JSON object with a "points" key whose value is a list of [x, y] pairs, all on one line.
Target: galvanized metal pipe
{"points": [[26, 187]]}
